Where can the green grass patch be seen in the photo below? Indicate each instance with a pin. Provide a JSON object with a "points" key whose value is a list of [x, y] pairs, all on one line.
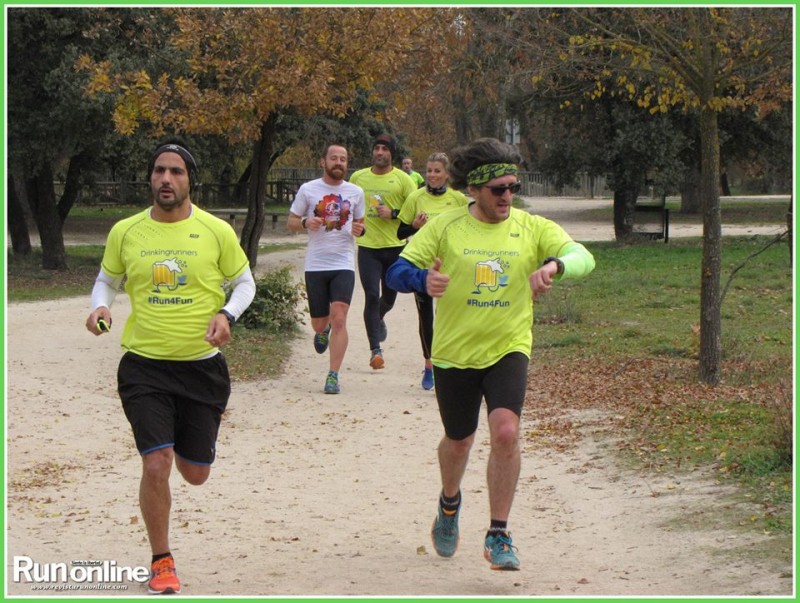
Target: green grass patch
{"points": [[117, 212], [114, 212], [733, 211], [254, 354], [738, 438], [634, 353], [645, 298], [26, 280], [275, 247], [738, 212]]}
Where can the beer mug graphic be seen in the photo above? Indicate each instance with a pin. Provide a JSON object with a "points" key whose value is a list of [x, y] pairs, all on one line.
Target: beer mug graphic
{"points": [[374, 202], [167, 274], [489, 274]]}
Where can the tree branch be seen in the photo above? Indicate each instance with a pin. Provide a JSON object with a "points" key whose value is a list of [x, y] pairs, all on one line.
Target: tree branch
{"points": [[747, 259]]}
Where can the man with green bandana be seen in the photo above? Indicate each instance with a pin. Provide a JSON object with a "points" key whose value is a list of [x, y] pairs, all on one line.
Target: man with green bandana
{"points": [[485, 264]]}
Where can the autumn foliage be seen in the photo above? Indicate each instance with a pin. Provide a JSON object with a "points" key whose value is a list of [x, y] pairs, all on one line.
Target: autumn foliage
{"points": [[235, 67]]}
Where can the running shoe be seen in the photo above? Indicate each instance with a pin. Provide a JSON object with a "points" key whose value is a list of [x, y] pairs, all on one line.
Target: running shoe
{"points": [[163, 578], [427, 379], [376, 360], [383, 332], [332, 383], [444, 532], [499, 552], [321, 340]]}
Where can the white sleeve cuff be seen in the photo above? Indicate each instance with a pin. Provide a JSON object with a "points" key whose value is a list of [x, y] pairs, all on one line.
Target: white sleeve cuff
{"points": [[244, 290], [104, 290]]}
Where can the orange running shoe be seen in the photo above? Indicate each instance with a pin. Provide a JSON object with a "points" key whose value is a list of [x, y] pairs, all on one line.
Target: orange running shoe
{"points": [[163, 578], [376, 361]]}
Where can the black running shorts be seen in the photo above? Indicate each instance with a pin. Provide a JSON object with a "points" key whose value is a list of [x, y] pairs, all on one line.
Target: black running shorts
{"points": [[327, 286], [175, 403], [460, 392]]}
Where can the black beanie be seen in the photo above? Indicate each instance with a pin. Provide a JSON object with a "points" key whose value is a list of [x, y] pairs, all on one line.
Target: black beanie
{"points": [[171, 147], [387, 141]]}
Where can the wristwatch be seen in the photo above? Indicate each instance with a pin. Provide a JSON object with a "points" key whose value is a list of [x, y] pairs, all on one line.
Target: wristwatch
{"points": [[558, 262], [231, 318], [303, 223]]}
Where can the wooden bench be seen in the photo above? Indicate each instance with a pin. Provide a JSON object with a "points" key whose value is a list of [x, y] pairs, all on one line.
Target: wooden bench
{"points": [[231, 213]]}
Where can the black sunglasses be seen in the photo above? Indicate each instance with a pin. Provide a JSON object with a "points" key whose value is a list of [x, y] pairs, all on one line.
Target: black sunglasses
{"points": [[499, 191]]}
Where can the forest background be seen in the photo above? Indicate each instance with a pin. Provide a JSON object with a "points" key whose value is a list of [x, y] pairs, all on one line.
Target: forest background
{"points": [[665, 99]]}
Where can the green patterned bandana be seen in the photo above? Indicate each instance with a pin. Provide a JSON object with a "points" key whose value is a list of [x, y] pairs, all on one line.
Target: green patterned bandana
{"points": [[483, 173]]}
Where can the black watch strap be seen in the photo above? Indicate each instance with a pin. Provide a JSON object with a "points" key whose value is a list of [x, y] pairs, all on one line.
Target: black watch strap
{"points": [[231, 318], [558, 262]]}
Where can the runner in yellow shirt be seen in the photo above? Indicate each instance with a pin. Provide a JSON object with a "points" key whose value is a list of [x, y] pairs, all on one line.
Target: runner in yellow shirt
{"points": [[485, 264], [173, 381], [408, 168], [385, 189], [421, 206]]}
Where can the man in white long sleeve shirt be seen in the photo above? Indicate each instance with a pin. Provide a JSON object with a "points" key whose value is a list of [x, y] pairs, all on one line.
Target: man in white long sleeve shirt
{"points": [[173, 380]]}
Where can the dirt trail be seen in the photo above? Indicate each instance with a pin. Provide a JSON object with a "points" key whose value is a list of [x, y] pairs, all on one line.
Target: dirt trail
{"points": [[321, 495]]}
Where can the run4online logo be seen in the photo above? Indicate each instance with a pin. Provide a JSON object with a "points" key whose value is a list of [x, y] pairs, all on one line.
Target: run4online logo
{"points": [[78, 574]]}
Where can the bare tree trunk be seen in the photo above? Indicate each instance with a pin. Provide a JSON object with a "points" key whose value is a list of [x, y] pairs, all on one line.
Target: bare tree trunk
{"points": [[691, 202], [624, 207], [42, 199], [72, 187], [241, 188], [710, 369], [488, 122], [462, 122], [724, 185], [17, 225], [262, 159]]}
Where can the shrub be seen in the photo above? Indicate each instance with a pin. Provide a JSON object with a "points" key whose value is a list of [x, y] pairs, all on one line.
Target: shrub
{"points": [[275, 306]]}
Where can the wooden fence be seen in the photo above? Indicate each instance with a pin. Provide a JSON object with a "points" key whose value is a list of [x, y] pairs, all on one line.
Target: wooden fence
{"points": [[282, 185]]}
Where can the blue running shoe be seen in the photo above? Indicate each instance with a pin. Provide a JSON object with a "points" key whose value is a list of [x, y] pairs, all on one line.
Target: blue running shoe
{"points": [[444, 532], [427, 379], [383, 332], [499, 552], [332, 383], [321, 340]]}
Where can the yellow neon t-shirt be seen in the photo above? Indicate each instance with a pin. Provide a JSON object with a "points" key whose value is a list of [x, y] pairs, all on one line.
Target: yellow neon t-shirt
{"points": [[487, 310], [433, 205], [390, 190], [175, 272]]}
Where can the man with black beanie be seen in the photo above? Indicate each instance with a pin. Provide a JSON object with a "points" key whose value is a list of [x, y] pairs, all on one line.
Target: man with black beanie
{"points": [[385, 189]]}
